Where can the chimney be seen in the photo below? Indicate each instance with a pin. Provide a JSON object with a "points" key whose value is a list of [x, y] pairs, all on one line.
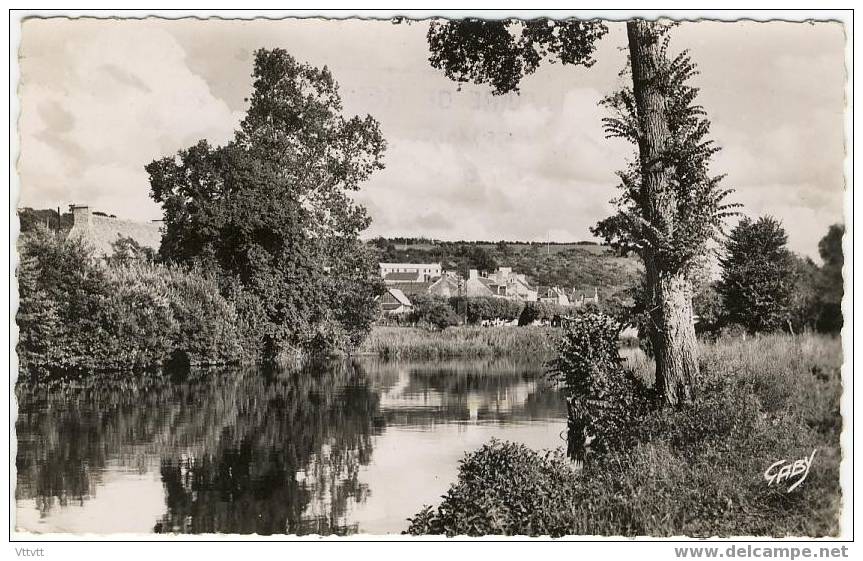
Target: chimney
{"points": [[80, 216], [473, 274]]}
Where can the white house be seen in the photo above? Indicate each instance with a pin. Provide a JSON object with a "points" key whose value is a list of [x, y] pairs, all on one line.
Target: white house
{"points": [[409, 272]]}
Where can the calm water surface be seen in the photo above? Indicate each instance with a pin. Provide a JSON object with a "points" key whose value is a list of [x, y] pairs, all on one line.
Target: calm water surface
{"points": [[350, 448]]}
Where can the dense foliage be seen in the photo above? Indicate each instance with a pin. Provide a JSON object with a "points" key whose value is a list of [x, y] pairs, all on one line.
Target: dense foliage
{"points": [[502, 52], [757, 275], [693, 470], [811, 294], [831, 288], [603, 398], [476, 309], [77, 315], [431, 310], [30, 219], [548, 312], [128, 250], [505, 488], [271, 214]]}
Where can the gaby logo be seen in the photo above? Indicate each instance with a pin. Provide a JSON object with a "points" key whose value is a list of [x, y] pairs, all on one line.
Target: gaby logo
{"points": [[785, 470]]}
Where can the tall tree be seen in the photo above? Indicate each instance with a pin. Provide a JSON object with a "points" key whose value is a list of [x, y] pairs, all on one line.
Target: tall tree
{"points": [[830, 286], [758, 274], [670, 207], [271, 211], [805, 303]]}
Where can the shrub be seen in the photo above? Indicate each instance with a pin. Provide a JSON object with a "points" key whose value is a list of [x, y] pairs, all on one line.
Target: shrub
{"points": [[127, 250], [603, 398], [432, 310], [60, 303], [79, 315], [202, 324], [487, 308], [547, 311], [504, 488]]}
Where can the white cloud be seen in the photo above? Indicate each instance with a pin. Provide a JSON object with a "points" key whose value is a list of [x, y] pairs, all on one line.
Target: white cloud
{"points": [[124, 98], [102, 99]]}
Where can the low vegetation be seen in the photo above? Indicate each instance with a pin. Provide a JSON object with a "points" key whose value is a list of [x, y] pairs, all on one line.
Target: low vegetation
{"points": [[695, 470], [460, 341]]}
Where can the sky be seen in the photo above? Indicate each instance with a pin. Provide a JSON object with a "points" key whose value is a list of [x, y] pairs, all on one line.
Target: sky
{"points": [[100, 99]]}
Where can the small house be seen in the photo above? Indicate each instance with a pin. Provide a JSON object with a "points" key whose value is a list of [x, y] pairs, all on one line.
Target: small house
{"points": [[394, 301]]}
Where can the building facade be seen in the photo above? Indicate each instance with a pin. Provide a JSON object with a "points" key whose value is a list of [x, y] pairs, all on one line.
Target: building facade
{"points": [[409, 272]]}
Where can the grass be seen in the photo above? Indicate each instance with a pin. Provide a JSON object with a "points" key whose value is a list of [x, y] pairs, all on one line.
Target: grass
{"points": [[696, 470], [461, 341]]}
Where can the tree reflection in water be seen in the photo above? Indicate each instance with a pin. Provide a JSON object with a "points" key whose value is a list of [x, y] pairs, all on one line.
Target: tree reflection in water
{"points": [[287, 462], [274, 451], [268, 451]]}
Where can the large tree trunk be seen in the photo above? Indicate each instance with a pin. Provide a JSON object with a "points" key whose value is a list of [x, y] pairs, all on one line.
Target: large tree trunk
{"points": [[673, 335], [673, 331]]}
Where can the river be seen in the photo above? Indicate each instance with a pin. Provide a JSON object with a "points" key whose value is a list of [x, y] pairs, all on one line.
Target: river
{"points": [[351, 447]]}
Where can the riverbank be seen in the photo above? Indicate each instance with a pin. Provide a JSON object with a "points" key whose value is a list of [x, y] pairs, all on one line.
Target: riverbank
{"points": [[697, 470], [460, 341]]}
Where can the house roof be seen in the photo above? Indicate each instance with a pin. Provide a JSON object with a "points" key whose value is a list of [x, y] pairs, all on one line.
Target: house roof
{"points": [[400, 296], [487, 281], [410, 288], [478, 287], [396, 277], [444, 286]]}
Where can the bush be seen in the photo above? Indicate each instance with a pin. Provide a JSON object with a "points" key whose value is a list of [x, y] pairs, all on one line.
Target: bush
{"points": [[604, 399], [60, 303], [432, 310], [505, 488], [78, 315], [549, 312], [201, 323]]}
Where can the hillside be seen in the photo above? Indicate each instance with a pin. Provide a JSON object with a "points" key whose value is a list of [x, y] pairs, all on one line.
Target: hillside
{"points": [[582, 266]]}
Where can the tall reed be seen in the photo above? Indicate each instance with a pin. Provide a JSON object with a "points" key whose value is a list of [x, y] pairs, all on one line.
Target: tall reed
{"points": [[461, 341]]}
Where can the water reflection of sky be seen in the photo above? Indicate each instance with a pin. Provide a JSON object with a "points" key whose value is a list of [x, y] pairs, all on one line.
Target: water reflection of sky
{"points": [[352, 448]]}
